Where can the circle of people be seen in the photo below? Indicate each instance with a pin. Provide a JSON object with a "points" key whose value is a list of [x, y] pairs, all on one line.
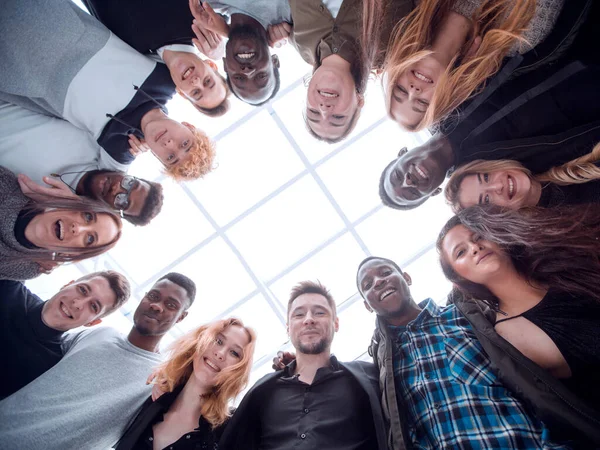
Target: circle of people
{"points": [[510, 90]]}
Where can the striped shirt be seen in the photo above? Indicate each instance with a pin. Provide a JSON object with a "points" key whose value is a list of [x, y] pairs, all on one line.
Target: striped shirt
{"points": [[452, 397]]}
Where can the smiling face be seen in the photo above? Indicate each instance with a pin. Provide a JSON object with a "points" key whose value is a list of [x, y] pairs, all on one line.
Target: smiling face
{"points": [[471, 257], [79, 303], [384, 289], [62, 229], [161, 308], [227, 350], [198, 80], [509, 188], [249, 64], [311, 324], [415, 175], [412, 91], [108, 187], [169, 140], [331, 102]]}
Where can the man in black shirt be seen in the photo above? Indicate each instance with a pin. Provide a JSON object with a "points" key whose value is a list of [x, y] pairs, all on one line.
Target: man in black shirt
{"points": [[316, 401], [31, 329]]}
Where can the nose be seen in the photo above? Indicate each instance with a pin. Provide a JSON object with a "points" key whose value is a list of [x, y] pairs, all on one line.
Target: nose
{"points": [[379, 283], [476, 247], [495, 186], [156, 307], [324, 107], [196, 80], [219, 351], [249, 71], [77, 228], [77, 303], [414, 87], [309, 318]]}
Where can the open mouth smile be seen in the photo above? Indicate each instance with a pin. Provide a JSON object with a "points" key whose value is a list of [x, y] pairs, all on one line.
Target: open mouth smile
{"points": [[187, 73], [328, 94], [59, 229], [246, 56], [211, 365], [484, 257], [386, 293], [511, 188], [422, 77], [65, 311]]}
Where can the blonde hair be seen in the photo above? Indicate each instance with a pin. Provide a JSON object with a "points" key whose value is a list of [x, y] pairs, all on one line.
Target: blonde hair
{"points": [[199, 161], [500, 22], [230, 381], [577, 171]]}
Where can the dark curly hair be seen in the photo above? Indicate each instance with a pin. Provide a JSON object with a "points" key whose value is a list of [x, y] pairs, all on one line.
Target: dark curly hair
{"points": [[152, 205]]}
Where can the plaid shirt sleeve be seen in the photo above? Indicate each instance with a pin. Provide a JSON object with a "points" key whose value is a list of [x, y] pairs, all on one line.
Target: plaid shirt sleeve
{"points": [[453, 398]]}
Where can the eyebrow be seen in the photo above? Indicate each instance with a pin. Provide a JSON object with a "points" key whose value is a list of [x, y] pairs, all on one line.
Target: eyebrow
{"points": [[224, 338], [174, 299]]}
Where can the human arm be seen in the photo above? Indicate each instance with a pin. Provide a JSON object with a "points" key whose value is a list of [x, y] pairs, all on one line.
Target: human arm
{"points": [[278, 34], [208, 42], [282, 359], [55, 188], [206, 18]]}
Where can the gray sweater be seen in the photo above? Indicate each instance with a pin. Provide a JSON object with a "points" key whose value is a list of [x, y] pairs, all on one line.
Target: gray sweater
{"points": [[85, 401], [12, 201]]}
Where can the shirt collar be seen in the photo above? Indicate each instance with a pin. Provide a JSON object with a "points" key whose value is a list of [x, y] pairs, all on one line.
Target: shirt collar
{"points": [[290, 370]]}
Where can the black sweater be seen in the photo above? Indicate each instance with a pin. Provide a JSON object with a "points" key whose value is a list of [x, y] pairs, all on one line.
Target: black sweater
{"points": [[29, 347], [146, 25]]}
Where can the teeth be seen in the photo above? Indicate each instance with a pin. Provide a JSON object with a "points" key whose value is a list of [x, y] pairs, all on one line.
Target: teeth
{"points": [[511, 187], [328, 94], [245, 55], [422, 77], [420, 172], [187, 73], [211, 365], [66, 311], [386, 293]]}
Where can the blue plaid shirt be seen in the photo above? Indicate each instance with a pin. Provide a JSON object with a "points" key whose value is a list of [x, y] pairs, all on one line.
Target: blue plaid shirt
{"points": [[452, 396]]}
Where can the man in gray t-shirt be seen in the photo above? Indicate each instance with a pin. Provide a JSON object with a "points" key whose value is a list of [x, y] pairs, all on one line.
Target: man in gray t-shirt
{"points": [[88, 398]]}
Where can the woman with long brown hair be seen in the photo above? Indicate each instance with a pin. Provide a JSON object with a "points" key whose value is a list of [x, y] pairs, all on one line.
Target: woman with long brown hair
{"points": [[38, 233], [539, 270], [207, 367], [445, 50], [509, 184]]}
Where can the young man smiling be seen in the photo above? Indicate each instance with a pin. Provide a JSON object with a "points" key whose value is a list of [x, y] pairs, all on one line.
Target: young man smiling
{"points": [[31, 328], [316, 401], [442, 372], [89, 397]]}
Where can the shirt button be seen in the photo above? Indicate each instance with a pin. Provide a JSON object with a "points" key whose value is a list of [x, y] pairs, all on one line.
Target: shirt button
{"points": [[302, 436], [188, 436], [305, 410], [335, 49], [428, 376], [150, 438], [437, 406]]}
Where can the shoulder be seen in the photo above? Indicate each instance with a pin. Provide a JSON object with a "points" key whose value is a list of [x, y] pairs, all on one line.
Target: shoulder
{"points": [[361, 368], [8, 181]]}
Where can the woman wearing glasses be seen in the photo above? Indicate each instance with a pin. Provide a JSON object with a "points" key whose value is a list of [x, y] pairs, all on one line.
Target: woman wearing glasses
{"points": [[38, 233]]}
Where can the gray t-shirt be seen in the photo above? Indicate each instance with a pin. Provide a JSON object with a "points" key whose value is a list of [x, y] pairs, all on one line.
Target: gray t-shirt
{"points": [[85, 401], [267, 12]]}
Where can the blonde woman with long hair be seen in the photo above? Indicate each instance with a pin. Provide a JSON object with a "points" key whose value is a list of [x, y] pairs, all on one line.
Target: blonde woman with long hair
{"points": [[443, 52], [207, 367], [508, 183]]}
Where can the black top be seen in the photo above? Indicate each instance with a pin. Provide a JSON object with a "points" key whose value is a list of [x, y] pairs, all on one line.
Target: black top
{"points": [[573, 324], [332, 413], [573, 194], [29, 347], [21, 223], [143, 24], [154, 93], [140, 435]]}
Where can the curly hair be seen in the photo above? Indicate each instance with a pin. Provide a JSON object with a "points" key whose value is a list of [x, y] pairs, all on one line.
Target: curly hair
{"points": [[500, 23], [199, 161], [152, 205], [555, 247], [577, 171], [179, 366]]}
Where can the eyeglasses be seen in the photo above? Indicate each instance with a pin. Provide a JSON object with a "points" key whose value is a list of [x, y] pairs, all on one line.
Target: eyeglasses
{"points": [[122, 200]]}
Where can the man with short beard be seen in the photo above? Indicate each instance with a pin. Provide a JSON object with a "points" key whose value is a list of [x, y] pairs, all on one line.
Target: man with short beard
{"points": [[89, 397], [252, 72], [316, 402]]}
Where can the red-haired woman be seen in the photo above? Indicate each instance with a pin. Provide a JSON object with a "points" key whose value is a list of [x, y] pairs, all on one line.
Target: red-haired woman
{"points": [[444, 51], [207, 367]]}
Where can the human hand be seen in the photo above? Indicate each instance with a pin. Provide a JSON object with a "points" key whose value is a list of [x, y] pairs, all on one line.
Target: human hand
{"points": [[48, 266], [207, 18], [282, 359], [208, 42], [137, 146], [278, 34], [158, 389], [56, 187]]}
